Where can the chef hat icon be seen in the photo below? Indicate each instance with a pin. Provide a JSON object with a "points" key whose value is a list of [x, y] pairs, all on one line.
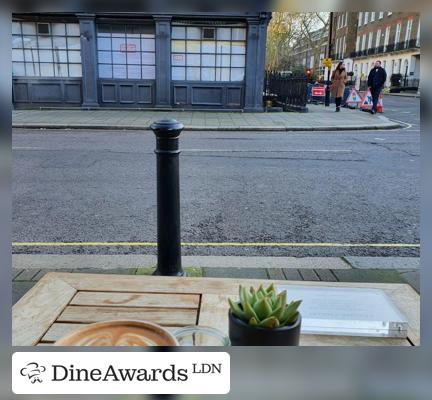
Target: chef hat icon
{"points": [[32, 371]]}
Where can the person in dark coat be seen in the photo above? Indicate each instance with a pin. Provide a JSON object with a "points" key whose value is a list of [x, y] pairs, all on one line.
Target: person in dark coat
{"points": [[376, 80]]}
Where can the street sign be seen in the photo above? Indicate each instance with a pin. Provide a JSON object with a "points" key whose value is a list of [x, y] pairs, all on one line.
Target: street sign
{"points": [[318, 91], [326, 62], [354, 98], [367, 103]]}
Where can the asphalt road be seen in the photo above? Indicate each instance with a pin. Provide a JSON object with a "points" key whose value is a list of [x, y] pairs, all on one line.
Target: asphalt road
{"points": [[308, 187]]}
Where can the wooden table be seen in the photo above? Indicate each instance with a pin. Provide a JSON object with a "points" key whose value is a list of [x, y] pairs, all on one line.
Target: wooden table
{"points": [[62, 302]]}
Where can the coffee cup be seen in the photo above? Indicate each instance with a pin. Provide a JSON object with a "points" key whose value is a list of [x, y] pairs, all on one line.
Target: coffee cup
{"points": [[119, 333]]}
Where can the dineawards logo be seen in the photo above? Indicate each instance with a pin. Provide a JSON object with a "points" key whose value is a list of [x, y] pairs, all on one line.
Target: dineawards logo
{"points": [[121, 373], [33, 371], [61, 373]]}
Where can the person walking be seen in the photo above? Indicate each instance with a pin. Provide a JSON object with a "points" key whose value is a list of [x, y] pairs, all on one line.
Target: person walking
{"points": [[339, 78], [376, 80]]}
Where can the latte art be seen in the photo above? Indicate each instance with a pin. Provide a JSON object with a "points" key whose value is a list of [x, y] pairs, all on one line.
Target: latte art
{"points": [[119, 333]]}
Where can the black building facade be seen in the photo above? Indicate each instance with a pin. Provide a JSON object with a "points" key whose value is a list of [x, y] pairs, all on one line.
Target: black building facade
{"points": [[139, 60]]}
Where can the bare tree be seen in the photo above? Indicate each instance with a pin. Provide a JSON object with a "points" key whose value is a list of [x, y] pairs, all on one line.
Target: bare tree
{"points": [[314, 31], [288, 30], [281, 31]]}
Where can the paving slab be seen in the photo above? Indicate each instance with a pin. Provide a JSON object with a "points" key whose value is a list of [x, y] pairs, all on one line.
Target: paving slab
{"points": [[72, 261], [384, 262], [26, 275], [276, 274], [412, 278], [252, 273], [16, 272], [319, 118], [326, 275], [369, 275], [292, 274], [19, 289], [308, 275], [117, 271]]}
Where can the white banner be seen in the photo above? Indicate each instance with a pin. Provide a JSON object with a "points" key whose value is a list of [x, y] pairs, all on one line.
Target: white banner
{"points": [[120, 373]]}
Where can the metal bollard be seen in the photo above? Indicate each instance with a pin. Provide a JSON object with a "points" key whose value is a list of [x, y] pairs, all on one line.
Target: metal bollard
{"points": [[167, 151]]}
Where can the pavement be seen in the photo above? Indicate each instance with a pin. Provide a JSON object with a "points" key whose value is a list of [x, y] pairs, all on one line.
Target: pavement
{"points": [[404, 94], [319, 118], [27, 270]]}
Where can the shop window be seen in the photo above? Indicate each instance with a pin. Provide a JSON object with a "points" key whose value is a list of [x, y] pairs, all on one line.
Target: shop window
{"points": [[47, 49], [202, 53], [126, 51]]}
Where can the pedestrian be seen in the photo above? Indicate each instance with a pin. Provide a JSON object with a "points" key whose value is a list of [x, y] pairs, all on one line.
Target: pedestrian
{"points": [[376, 80], [339, 78]]}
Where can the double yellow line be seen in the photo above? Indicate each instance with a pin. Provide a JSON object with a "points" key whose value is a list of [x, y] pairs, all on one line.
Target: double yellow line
{"points": [[214, 244]]}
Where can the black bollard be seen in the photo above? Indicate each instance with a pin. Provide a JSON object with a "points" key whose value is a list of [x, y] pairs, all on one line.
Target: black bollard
{"points": [[167, 151]]}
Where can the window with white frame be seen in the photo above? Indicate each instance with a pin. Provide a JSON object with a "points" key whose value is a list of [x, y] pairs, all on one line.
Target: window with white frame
{"points": [[363, 42], [360, 18], [358, 43], [346, 19], [408, 30], [46, 49], [126, 51], [372, 16], [397, 34], [208, 53], [418, 35], [378, 38], [381, 15], [369, 46], [386, 37], [366, 17], [338, 24]]}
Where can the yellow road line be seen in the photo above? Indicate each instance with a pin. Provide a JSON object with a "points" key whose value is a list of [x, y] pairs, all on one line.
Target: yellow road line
{"points": [[216, 244]]}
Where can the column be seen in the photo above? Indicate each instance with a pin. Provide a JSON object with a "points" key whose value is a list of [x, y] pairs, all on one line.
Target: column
{"points": [[88, 60], [255, 62], [163, 60]]}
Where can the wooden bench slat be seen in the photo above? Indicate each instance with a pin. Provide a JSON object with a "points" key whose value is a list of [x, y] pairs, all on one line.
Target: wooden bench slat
{"points": [[35, 312], [116, 299], [58, 330], [173, 317], [167, 284]]}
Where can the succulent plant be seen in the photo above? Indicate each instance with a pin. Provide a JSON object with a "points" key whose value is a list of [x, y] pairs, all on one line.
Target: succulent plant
{"points": [[263, 308]]}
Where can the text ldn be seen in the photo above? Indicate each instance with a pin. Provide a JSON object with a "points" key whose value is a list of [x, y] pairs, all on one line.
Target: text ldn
{"points": [[72, 374], [204, 368]]}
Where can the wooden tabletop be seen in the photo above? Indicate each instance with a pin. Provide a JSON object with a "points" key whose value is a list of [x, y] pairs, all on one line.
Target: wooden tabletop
{"points": [[62, 302]]}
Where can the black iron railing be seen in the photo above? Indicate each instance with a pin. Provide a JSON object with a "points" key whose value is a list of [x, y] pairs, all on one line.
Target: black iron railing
{"points": [[405, 83], [287, 91], [409, 44]]}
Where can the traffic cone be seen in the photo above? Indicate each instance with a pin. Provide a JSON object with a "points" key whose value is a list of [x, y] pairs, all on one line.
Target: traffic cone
{"points": [[380, 104]]}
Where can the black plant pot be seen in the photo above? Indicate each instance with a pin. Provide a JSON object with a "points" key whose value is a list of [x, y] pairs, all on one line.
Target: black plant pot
{"points": [[242, 334]]}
